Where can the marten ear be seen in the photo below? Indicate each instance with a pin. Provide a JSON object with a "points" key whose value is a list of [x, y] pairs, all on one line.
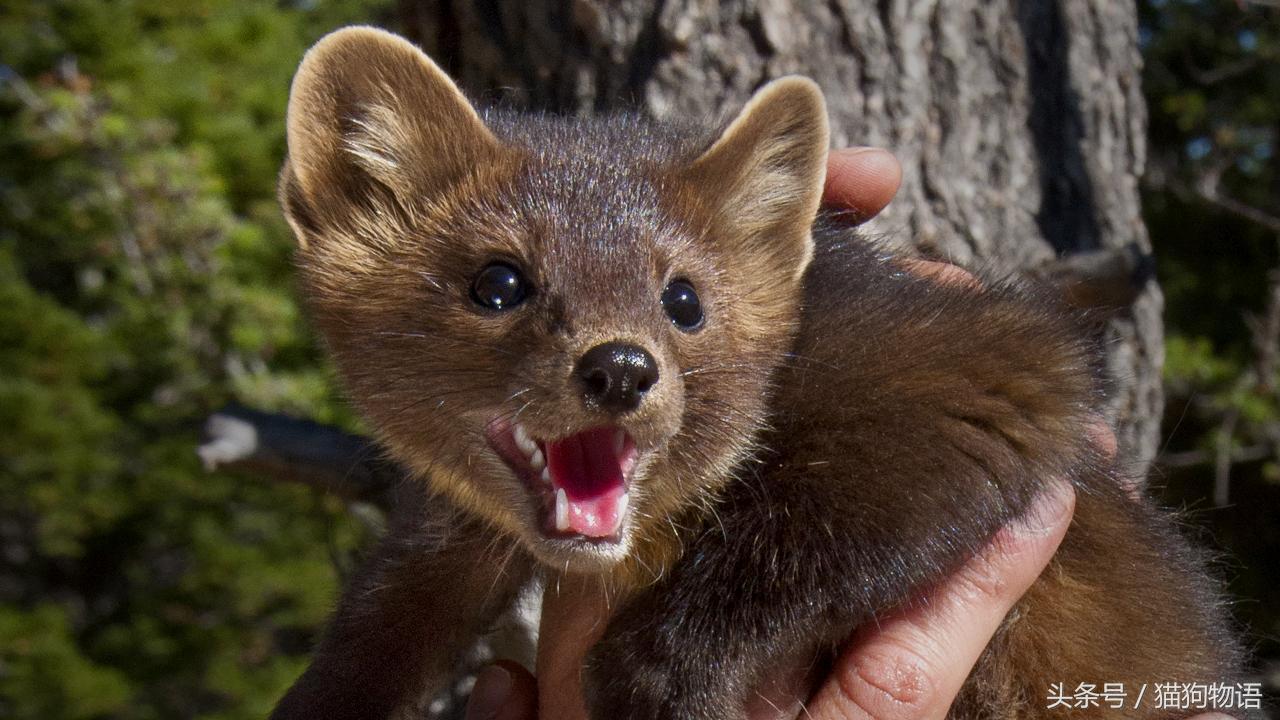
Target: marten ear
{"points": [[764, 173], [371, 118]]}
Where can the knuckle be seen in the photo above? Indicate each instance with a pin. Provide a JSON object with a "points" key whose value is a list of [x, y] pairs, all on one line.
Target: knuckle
{"points": [[1103, 438], [888, 684], [954, 275], [985, 578], [943, 273]]}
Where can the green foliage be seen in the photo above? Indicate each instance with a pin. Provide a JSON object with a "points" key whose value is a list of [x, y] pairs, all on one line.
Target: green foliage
{"points": [[1212, 206], [145, 281], [1212, 79], [47, 676]]}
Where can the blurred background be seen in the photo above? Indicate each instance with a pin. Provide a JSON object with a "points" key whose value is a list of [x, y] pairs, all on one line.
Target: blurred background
{"points": [[145, 282]]}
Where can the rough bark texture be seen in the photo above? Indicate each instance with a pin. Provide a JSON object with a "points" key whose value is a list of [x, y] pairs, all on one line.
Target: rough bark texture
{"points": [[1020, 125]]}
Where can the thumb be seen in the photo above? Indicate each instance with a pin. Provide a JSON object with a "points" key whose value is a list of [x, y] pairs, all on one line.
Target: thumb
{"points": [[912, 664], [575, 613], [503, 691]]}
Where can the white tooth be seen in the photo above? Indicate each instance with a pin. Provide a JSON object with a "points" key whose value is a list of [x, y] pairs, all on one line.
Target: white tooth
{"points": [[562, 510], [623, 503], [546, 475], [523, 441], [536, 461], [619, 439]]}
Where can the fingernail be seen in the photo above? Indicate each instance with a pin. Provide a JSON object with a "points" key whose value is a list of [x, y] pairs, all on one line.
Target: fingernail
{"points": [[490, 693], [862, 150], [1048, 512]]}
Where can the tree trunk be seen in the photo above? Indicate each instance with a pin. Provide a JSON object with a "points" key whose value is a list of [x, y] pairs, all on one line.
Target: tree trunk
{"points": [[1020, 125]]}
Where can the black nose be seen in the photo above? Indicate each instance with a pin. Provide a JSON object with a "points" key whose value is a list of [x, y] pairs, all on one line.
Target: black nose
{"points": [[615, 376]]}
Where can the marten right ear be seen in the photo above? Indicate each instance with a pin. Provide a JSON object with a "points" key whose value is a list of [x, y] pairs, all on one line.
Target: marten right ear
{"points": [[371, 118]]}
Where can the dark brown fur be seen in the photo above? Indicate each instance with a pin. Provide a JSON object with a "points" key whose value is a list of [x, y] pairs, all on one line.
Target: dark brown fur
{"points": [[908, 422]]}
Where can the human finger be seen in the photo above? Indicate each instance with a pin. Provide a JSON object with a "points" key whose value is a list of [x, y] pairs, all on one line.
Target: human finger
{"points": [[503, 691], [862, 180], [912, 664], [574, 616]]}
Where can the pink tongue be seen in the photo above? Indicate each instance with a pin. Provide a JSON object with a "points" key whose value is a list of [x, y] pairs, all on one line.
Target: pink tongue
{"points": [[589, 470]]}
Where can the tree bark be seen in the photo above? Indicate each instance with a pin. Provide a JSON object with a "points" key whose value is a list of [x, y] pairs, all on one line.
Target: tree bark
{"points": [[1020, 125]]}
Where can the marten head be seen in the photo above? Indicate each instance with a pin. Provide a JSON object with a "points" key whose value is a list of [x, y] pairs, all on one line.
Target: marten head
{"points": [[568, 326]]}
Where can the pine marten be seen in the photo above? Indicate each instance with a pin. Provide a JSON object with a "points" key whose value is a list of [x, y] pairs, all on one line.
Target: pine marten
{"points": [[638, 351]]}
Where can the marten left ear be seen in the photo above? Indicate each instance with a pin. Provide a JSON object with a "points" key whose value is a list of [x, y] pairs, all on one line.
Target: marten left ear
{"points": [[764, 174]]}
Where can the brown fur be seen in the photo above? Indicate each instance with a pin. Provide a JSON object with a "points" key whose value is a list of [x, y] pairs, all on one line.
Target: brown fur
{"points": [[837, 437]]}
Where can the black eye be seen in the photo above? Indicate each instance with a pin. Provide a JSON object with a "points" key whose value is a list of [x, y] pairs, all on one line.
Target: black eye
{"points": [[681, 303], [499, 287]]}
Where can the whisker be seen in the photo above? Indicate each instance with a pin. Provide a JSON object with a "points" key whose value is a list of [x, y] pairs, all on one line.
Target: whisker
{"points": [[442, 339]]}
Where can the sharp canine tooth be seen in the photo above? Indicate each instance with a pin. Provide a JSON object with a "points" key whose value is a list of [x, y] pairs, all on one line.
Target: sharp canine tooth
{"points": [[562, 510], [623, 503], [546, 475], [523, 441], [536, 461]]}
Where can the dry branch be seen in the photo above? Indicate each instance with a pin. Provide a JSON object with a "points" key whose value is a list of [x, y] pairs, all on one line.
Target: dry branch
{"points": [[286, 449]]}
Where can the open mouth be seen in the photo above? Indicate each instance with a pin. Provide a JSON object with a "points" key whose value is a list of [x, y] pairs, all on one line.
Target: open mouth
{"points": [[581, 479]]}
